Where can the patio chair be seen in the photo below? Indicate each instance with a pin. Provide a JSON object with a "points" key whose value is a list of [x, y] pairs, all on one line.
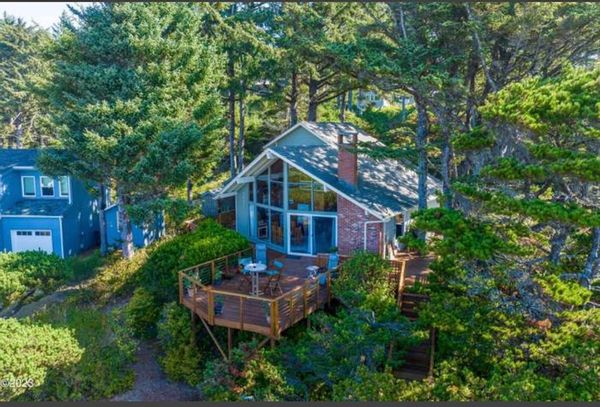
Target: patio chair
{"points": [[274, 277], [246, 277], [261, 253]]}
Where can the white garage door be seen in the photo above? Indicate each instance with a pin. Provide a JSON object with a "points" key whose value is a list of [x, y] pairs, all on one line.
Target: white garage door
{"points": [[24, 240]]}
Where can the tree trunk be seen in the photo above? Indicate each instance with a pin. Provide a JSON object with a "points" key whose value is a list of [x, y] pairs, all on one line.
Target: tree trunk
{"points": [[312, 100], [231, 74], [294, 99], [102, 221], [189, 186], [241, 137], [592, 264], [126, 232], [343, 107], [421, 144], [350, 101]]}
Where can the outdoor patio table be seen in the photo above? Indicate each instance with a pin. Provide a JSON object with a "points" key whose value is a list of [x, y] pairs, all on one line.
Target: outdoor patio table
{"points": [[255, 269], [312, 271]]}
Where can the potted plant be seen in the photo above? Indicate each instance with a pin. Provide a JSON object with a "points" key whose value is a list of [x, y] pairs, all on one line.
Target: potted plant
{"points": [[218, 277], [219, 302]]}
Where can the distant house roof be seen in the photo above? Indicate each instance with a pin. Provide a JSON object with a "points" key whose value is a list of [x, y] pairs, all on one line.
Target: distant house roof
{"points": [[40, 207], [12, 157], [328, 132], [386, 186]]}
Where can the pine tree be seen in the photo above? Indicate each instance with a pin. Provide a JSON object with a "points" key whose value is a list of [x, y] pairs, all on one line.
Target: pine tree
{"points": [[136, 98]]}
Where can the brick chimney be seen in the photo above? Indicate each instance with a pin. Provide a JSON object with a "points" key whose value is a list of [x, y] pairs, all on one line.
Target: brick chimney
{"points": [[347, 160]]}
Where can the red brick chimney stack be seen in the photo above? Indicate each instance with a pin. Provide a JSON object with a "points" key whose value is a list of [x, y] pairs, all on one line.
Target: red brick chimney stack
{"points": [[347, 159]]}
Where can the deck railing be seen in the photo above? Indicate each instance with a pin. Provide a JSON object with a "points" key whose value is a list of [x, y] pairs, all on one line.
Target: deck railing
{"points": [[213, 270], [268, 316]]}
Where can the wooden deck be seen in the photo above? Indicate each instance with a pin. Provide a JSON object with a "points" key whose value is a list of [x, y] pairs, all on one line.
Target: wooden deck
{"points": [[214, 291], [227, 302]]}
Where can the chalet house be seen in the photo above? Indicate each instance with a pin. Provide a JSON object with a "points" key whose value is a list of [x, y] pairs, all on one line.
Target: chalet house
{"points": [[54, 214], [309, 191]]}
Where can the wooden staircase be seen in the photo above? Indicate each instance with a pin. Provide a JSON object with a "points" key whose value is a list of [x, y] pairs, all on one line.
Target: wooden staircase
{"points": [[418, 361]]}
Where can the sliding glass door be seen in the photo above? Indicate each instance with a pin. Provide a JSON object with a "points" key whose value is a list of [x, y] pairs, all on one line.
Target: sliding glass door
{"points": [[311, 234]]}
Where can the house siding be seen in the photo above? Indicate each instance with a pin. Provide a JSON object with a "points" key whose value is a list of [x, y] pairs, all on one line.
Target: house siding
{"points": [[351, 222], [142, 236], [299, 137]]}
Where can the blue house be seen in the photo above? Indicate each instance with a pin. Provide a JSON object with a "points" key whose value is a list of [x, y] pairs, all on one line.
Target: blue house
{"points": [[39, 212], [143, 235]]}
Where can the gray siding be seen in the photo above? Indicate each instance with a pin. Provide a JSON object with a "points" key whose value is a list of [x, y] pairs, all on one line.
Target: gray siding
{"points": [[300, 137]]}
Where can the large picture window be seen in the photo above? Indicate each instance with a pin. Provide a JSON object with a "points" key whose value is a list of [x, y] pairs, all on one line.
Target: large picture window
{"points": [[262, 188], [276, 180], [305, 194]]}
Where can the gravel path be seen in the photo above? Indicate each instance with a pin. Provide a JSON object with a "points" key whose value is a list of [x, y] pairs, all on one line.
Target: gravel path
{"points": [[151, 383]]}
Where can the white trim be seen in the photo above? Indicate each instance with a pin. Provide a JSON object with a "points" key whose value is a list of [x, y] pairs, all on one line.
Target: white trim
{"points": [[62, 243], [42, 187], [227, 195], [32, 216], [23, 187], [23, 167], [110, 207], [245, 180], [244, 171]]}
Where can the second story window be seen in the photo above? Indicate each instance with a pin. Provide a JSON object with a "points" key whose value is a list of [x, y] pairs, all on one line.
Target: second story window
{"points": [[47, 186], [28, 186], [63, 186]]}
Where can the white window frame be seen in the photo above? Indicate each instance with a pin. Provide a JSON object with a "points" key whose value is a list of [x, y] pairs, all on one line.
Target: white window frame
{"points": [[42, 186], [23, 186], [67, 193]]}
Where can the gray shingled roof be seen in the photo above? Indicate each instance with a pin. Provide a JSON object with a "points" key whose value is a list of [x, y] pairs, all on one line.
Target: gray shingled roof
{"points": [[329, 131], [10, 157], [385, 186], [47, 207]]}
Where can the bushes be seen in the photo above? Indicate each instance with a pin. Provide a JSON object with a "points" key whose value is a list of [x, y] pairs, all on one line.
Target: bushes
{"points": [[29, 353], [141, 313], [158, 274], [182, 358], [107, 350], [209, 241], [20, 272]]}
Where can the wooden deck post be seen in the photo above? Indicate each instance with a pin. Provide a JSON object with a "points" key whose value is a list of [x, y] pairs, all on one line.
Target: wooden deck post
{"points": [[229, 342], [211, 306]]}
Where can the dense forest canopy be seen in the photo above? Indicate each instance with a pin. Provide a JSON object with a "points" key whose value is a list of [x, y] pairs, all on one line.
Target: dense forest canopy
{"points": [[153, 99]]}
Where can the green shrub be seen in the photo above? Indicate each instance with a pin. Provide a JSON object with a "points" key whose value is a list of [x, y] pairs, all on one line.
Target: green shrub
{"points": [[118, 276], [142, 313], [104, 367], [182, 358], [22, 271], [158, 273], [30, 353], [208, 241]]}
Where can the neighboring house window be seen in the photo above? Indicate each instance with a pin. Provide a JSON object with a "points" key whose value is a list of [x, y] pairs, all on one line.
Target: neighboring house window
{"points": [[63, 186], [28, 186], [47, 186]]}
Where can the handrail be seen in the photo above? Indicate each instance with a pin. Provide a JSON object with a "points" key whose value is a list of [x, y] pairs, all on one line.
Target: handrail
{"points": [[215, 260], [273, 303]]}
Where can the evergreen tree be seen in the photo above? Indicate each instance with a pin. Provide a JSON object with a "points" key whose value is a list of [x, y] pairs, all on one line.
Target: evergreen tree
{"points": [[136, 98], [23, 114]]}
